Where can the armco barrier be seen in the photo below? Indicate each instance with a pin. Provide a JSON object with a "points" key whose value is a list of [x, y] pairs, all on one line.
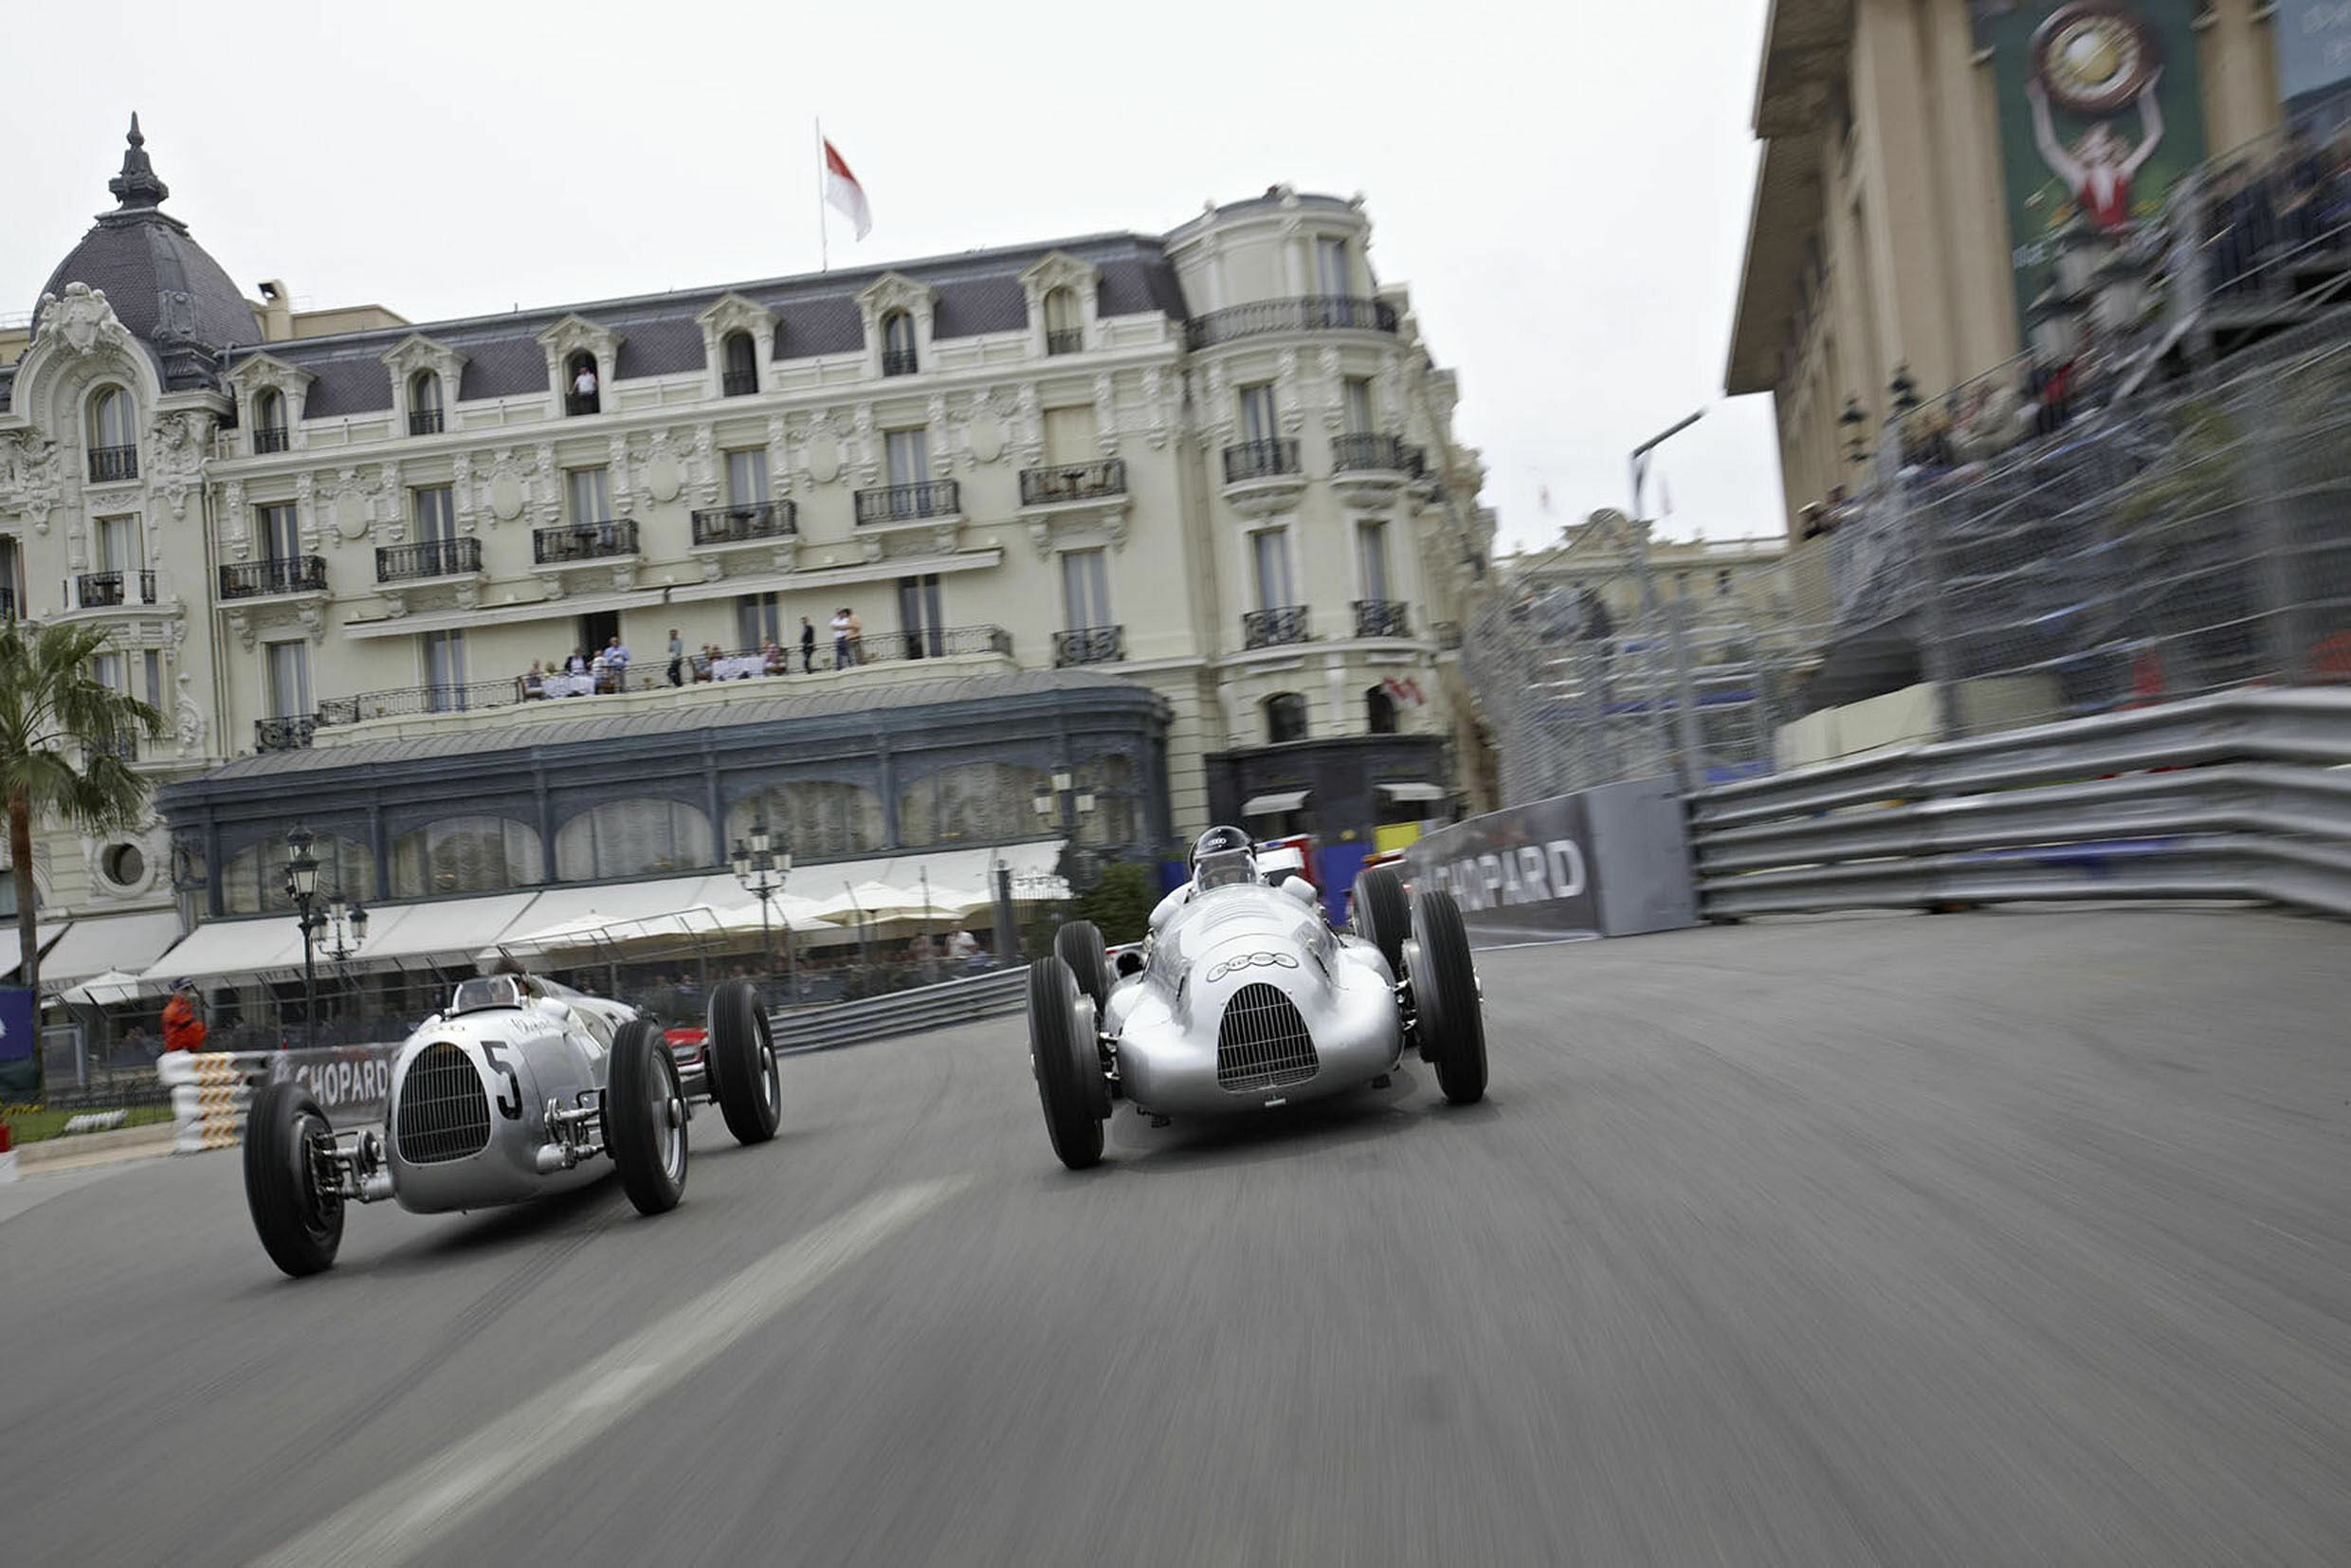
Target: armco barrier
{"points": [[2239, 796], [211, 1089], [903, 1011]]}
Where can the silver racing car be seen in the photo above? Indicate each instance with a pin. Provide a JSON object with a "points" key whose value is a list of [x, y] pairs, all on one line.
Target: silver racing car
{"points": [[521, 1087], [1243, 999]]}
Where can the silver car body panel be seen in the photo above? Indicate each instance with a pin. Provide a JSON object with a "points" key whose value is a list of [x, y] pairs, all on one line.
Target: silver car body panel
{"points": [[1165, 1021], [555, 1045]]}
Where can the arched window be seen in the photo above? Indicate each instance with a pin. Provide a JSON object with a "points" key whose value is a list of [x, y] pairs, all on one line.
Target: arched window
{"points": [[255, 881], [817, 818], [1064, 329], [740, 376], [269, 434], [1379, 712], [582, 388], [972, 803], [112, 436], [424, 404], [898, 344], [464, 854], [1285, 717], [632, 838]]}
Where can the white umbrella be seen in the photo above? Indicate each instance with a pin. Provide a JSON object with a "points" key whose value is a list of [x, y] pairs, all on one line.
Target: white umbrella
{"points": [[104, 990], [872, 902]]}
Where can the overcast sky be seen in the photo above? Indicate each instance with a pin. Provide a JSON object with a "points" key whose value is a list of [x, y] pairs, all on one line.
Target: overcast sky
{"points": [[1564, 187]]}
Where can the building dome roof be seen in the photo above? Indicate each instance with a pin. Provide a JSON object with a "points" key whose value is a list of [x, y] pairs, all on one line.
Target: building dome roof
{"points": [[163, 285]]}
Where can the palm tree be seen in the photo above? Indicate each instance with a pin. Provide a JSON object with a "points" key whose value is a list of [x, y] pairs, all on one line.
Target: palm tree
{"points": [[52, 707]]}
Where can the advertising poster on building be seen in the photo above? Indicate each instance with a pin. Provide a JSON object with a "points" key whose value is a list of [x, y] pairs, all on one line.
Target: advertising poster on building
{"points": [[20, 1061], [2099, 117], [2314, 55]]}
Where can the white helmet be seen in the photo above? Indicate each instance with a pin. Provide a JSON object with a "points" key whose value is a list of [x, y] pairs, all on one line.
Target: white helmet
{"points": [[1221, 858]]}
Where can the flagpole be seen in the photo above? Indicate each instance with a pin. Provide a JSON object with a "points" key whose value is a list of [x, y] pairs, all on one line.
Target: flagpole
{"points": [[824, 244]]}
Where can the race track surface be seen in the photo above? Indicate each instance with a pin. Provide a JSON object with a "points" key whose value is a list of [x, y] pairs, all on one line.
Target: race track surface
{"points": [[2016, 1237]]}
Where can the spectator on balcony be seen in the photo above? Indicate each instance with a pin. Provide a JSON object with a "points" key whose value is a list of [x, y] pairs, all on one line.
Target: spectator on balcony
{"points": [[584, 388], [535, 683], [808, 647], [616, 660], [677, 658], [577, 664], [841, 638], [771, 660], [857, 636]]}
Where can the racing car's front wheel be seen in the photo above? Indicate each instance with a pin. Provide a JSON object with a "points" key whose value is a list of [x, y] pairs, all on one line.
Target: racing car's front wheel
{"points": [[1067, 1064], [1079, 944], [1383, 915], [1449, 1016], [299, 1217], [743, 1063], [644, 1117]]}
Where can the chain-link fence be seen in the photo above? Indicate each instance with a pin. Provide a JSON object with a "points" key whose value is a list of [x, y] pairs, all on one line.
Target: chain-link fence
{"points": [[2154, 501]]}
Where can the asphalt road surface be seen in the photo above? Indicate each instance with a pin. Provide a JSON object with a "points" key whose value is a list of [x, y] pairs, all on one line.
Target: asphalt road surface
{"points": [[2016, 1237]]}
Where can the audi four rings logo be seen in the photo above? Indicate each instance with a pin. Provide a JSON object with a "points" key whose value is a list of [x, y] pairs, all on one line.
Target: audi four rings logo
{"points": [[1251, 960]]}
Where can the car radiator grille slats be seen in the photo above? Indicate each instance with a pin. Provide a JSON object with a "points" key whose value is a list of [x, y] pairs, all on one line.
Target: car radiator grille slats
{"points": [[1262, 1043], [443, 1113]]}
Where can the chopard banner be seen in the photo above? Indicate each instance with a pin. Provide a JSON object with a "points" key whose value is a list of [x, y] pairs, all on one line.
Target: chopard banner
{"points": [[1610, 862], [352, 1084]]}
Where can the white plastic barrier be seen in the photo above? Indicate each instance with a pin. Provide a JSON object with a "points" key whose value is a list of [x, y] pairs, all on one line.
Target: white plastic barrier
{"points": [[212, 1090]]}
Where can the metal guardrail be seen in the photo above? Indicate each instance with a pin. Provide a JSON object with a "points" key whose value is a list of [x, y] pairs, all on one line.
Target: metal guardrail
{"points": [[2243, 794], [927, 1007]]}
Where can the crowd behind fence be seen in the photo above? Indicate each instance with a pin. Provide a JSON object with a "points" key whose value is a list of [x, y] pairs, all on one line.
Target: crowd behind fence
{"points": [[2152, 504]]}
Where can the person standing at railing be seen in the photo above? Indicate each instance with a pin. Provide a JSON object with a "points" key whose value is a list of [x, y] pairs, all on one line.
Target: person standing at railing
{"points": [[617, 663], [857, 637], [677, 658], [841, 638], [808, 647]]}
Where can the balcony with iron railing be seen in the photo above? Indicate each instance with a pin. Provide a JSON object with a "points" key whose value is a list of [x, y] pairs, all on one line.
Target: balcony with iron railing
{"points": [[106, 590], [272, 438], [1065, 339], [1263, 476], [113, 465], [122, 744], [934, 500], [284, 735], [425, 422], [738, 383], [1306, 312], [1091, 645], [898, 362], [400, 563], [748, 522], [1274, 628], [279, 574], [571, 544], [8, 604], [1381, 618], [1081, 481], [1359, 453]]}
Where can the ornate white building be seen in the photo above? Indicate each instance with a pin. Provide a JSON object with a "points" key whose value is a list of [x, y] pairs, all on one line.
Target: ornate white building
{"points": [[1180, 515]]}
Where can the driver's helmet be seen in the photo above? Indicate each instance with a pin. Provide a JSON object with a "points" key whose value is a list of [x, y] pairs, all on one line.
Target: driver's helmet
{"points": [[1221, 858]]}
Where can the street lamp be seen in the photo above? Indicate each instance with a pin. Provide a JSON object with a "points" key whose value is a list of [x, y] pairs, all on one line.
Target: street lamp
{"points": [[302, 885], [346, 927], [1065, 805], [761, 868]]}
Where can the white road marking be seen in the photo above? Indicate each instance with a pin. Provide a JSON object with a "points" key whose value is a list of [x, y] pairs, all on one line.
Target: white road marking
{"points": [[409, 1513]]}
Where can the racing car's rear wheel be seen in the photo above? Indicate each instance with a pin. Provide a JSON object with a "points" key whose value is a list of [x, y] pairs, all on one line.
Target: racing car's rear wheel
{"points": [[644, 1117], [743, 1063], [1079, 944], [1451, 1019], [1384, 916], [1067, 1064], [300, 1217]]}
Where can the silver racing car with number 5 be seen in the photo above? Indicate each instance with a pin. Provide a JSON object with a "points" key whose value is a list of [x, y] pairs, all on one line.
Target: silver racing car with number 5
{"points": [[1243, 999], [521, 1087]]}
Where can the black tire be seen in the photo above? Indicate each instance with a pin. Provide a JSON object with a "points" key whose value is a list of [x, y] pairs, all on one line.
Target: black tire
{"points": [[740, 1054], [1079, 944], [1067, 1064], [645, 1117], [1383, 916], [1445, 998], [300, 1225]]}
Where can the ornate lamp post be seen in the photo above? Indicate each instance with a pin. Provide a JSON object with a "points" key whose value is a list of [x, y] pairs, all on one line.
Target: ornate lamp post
{"points": [[1065, 805], [346, 927], [761, 867], [302, 885]]}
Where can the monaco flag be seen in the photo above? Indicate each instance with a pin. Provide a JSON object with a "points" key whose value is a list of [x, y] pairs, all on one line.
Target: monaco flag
{"points": [[845, 193]]}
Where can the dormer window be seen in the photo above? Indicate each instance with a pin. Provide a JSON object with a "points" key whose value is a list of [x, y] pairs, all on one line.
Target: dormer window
{"points": [[113, 438], [269, 431], [1065, 328], [898, 343], [740, 376], [580, 387], [424, 404]]}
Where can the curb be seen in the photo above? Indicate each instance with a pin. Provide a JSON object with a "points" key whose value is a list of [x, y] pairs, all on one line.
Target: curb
{"points": [[109, 1148]]}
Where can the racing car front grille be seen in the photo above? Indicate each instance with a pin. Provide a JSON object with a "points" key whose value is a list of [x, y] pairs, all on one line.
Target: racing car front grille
{"points": [[1263, 1043], [443, 1113]]}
